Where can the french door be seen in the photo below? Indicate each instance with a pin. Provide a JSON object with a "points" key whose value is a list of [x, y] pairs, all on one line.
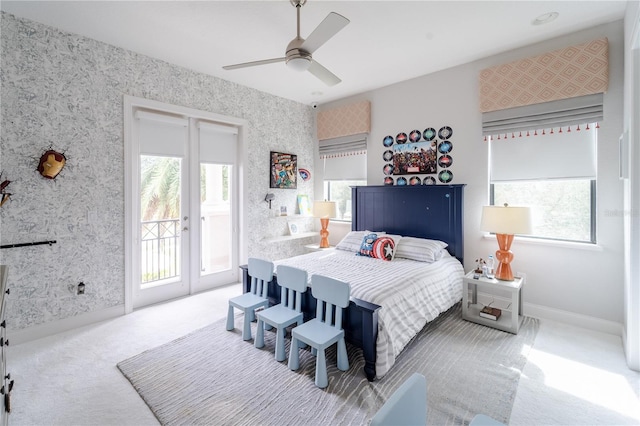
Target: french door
{"points": [[183, 232]]}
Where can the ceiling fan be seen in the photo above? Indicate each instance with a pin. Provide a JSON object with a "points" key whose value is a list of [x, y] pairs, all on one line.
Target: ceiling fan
{"points": [[299, 51]]}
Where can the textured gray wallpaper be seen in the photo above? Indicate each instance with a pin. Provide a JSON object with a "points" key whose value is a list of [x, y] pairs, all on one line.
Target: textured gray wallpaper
{"points": [[65, 91]]}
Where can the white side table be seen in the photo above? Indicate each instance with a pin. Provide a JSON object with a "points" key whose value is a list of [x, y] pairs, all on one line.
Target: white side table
{"points": [[316, 247], [509, 320]]}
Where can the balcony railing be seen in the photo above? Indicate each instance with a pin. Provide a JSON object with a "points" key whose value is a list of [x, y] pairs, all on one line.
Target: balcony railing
{"points": [[160, 250]]}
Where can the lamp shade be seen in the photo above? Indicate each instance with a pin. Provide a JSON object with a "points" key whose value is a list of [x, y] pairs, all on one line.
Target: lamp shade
{"points": [[506, 220], [326, 209]]}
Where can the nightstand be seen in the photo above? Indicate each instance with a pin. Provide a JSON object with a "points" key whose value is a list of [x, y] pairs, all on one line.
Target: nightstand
{"points": [[510, 319], [316, 247]]}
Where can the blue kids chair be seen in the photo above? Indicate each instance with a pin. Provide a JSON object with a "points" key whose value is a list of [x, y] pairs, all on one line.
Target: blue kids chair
{"points": [[325, 329], [293, 282], [261, 273], [407, 406]]}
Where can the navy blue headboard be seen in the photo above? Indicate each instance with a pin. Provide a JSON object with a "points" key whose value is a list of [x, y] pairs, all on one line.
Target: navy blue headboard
{"points": [[425, 211]]}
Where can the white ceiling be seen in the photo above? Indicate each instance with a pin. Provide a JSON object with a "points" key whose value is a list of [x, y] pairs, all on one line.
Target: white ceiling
{"points": [[385, 42]]}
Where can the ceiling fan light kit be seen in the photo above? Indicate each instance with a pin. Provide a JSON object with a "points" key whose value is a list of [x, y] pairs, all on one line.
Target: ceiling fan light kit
{"points": [[298, 55]]}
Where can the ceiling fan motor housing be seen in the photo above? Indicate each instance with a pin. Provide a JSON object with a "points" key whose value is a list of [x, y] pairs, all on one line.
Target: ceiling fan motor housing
{"points": [[296, 58]]}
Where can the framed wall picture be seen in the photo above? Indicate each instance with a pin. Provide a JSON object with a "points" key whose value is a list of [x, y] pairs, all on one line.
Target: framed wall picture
{"points": [[284, 170]]}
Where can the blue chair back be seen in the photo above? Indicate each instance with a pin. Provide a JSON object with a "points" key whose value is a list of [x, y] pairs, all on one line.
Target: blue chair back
{"points": [[293, 283], [331, 294], [261, 272], [407, 406]]}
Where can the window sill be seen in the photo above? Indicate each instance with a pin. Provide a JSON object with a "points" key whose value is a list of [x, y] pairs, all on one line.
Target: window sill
{"points": [[553, 243]]}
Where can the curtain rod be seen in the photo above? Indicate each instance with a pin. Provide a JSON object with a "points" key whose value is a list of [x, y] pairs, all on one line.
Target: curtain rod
{"points": [[37, 243]]}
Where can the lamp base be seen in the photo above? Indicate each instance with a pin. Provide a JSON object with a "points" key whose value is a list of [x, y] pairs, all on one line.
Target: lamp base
{"points": [[324, 234], [504, 256]]}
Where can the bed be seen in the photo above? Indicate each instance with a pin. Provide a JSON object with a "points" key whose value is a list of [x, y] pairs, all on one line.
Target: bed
{"points": [[382, 321]]}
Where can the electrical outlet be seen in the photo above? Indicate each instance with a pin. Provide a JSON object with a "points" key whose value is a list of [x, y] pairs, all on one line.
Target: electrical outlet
{"points": [[81, 287]]}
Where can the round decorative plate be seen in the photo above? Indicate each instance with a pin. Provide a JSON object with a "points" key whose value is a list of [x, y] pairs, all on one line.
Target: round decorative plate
{"points": [[429, 133], [387, 141], [445, 176], [401, 138], [445, 147], [388, 180], [415, 181], [387, 155], [401, 181], [445, 161], [445, 132], [429, 180], [304, 174], [388, 169], [415, 135]]}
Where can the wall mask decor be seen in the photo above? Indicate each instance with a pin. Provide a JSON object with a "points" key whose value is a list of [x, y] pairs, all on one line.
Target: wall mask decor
{"points": [[51, 163]]}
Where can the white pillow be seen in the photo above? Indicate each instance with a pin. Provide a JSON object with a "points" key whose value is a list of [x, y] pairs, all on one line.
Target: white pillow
{"points": [[420, 249], [353, 240]]}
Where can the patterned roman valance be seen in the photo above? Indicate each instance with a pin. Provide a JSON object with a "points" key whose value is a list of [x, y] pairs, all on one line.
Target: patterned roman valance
{"points": [[346, 120], [566, 73]]}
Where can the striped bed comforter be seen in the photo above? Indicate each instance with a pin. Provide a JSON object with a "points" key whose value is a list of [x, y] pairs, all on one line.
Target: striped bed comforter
{"points": [[410, 293]]}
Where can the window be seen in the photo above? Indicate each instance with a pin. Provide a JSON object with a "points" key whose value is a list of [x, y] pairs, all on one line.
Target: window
{"points": [[553, 173], [340, 192]]}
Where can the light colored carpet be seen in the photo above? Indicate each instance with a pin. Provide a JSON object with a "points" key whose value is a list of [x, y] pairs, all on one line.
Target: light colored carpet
{"points": [[212, 376]]}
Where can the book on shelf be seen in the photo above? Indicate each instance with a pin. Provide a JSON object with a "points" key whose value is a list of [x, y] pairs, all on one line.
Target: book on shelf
{"points": [[490, 313]]}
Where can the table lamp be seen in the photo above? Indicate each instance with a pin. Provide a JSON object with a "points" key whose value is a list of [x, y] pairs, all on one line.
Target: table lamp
{"points": [[505, 222], [324, 210]]}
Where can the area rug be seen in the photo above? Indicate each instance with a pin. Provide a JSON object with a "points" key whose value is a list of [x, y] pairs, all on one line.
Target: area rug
{"points": [[213, 377]]}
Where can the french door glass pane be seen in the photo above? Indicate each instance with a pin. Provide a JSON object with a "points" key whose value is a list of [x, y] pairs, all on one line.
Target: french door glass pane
{"points": [[215, 210], [160, 219]]}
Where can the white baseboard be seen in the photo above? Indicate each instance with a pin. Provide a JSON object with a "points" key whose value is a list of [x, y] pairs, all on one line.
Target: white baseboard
{"points": [[59, 326], [544, 312], [579, 320]]}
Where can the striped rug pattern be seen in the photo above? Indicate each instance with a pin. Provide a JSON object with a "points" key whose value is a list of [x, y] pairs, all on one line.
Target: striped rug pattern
{"points": [[213, 377]]}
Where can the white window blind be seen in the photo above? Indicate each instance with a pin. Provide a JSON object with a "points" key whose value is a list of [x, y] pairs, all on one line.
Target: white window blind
{"points": [[344, 158], [162, 135], [554, 155], [564, 112], [218, 143]]}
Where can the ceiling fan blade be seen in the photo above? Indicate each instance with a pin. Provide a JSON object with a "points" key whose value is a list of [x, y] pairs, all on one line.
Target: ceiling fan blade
{"points": [[323, 32], [253, 64], [326, 76]]}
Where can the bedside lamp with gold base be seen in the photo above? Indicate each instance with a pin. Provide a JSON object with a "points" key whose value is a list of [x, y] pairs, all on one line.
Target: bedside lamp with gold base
{"points": [[505, 222], [324, 210]]}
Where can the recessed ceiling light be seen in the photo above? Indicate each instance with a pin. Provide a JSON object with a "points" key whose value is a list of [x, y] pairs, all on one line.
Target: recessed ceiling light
{"points": [[545, 18]]}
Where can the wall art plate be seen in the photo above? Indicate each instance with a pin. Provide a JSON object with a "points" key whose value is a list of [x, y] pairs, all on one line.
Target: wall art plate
{"points": [[445, 176], [387, 141], [388, 169], [445, 161], [388, 180], [401, 138], [445, 147], [401, 181], [445, 132], [429, 180], [304, 174], [415, 181], [387, 155], [415, 135], [429, 133]]}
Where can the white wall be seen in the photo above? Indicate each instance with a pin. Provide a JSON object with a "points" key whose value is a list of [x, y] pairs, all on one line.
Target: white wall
{"points": [[563, 281]]}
